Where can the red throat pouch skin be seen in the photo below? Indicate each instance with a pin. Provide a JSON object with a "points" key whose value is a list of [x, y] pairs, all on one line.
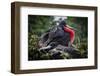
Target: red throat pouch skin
{"points": [[71, 32]]}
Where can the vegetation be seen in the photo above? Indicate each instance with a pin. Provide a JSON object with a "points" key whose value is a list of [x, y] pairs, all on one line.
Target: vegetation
{"points": [[37, 25]]}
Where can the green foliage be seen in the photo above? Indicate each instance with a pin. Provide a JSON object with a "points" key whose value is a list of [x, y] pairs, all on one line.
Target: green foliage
{"points": [[37, 25], [80, 24]]}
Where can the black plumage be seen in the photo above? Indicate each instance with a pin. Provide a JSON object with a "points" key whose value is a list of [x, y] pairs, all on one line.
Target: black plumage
{"points": [[56, 36]]}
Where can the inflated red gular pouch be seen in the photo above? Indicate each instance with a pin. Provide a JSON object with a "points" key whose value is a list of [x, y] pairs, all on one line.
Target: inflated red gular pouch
{"points": [[71, 32]]}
